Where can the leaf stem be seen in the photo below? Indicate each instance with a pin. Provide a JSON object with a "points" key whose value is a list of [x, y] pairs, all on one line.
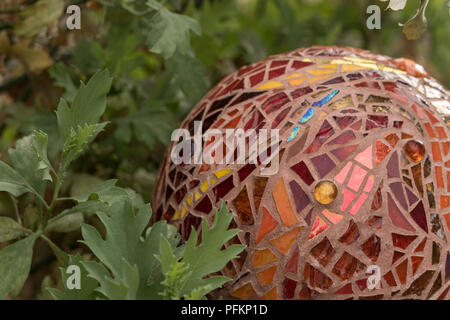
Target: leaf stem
{"points": [[16, 209]]}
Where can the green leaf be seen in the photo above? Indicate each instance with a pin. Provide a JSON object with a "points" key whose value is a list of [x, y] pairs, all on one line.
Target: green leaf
{"points": [[88, 105], [15, 263], [207, 257], [170, 31], [87, 284], [30, 160], [11, 181], [125, 239], [67, 223], [189, 75], [78, 141], [35, 17], [10, 229], [150, 126], [60, 73]]}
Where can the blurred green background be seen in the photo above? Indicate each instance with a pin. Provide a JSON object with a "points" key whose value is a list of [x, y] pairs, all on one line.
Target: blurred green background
{"points": [[40, 61]]}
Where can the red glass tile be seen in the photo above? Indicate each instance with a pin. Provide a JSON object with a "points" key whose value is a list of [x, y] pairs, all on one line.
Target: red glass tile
{"points": [[323, 251], [300, 64], [257, 78], [301, 199], [245, 171], [268, 223], [372, 248], [418, 214], [280, 117], [316, 278], [376, 122], [278, 63], [289, 286], [297, 93], [343, 138], [292, 264], [223, 188], [344, 122], [276, 72], [325, 132], [204, 205], [344, 152], [351, 235], [397, 255], [402, 271], [346, 266], [275, 102], [303, 172], [402, 241]]}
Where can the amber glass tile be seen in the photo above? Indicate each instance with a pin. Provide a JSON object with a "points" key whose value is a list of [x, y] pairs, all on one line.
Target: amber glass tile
{"points": [[266, 276], [346, 266], [316, 278], [323, 251], [245, 292], [259, 186], [292, 264], [268, 223], [284, 242], [372, 247], [243, 207], [382, 151], [270, 295], [416, 262], [402, 271], [402, 241], [436, 151], [262, 257], [351, 235], [389, 277], [283, 204]]}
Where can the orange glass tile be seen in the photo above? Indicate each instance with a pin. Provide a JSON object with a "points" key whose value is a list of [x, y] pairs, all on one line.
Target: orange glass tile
{"points": [[436, 151], [389, 277], [245, 292], [268, 223], [445, 201], [402, 271], [441, 132], [392, 138], [283, 204], [270, 295], [448, 181], [346, 266], [431, 117], [421, 246], [262, 257], [430, 130], [439, 177], [382, 151], [243, 207], [447, 164], [447, 220], [284, 243], [266, 276], [414, 150], [446, 147], [416, 262]]}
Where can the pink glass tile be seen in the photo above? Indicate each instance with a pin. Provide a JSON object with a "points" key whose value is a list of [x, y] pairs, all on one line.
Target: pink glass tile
{"points": [[340, 178], [354, 210], [348, 198], [366, 157], [357, 178]]}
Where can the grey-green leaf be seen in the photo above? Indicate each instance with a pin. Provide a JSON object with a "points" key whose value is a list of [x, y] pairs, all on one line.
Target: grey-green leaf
{"points": [[15, 263], [10, 229]]}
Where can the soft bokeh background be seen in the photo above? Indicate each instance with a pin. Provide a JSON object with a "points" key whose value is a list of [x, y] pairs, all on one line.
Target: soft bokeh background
{"points": [[151, 95]]}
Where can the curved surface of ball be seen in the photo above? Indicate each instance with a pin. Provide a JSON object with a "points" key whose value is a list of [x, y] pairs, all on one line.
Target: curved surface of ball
{"points": [[377, 128]]}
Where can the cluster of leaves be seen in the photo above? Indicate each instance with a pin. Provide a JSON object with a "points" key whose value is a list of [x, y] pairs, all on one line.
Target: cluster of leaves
{"points": [[135, 262]]}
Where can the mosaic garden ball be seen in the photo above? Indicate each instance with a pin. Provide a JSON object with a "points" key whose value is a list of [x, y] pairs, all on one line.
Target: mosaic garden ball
{"points": [[359, 205]]}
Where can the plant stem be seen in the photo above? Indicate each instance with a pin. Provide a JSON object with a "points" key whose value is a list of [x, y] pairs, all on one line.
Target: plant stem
{"points": [[16, 209]]}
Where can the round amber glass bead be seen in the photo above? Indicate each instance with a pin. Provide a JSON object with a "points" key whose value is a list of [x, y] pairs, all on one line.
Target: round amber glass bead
{"points": [[415, 150], [325, 192]]}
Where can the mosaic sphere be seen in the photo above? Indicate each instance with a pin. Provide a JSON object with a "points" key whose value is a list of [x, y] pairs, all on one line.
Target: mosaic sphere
{"points": [[357, 205]]}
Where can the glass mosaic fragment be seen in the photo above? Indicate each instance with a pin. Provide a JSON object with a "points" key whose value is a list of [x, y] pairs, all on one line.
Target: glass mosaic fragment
{"points": [[323, 251], [316, 278], [402, 241], [292, 264], [346, 266], [414, 150], [344, 152], [289, 286], [323, 164], [301, 199], [262, 257], [265, 277], [372, 248], [303, 172], [325, 132], [381, 152], [351, 234], [243, 207], [284, 243], [283, 204]]}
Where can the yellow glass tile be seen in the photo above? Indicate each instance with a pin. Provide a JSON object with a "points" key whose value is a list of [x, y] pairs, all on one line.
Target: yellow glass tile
{"points": [[367, 66], [219, 174], [307, 60], [351, 67], [297, 82], [328, 66], [318, 72], [339, 61], [197, 196], [270, 85], [213, 181], [204, 186], [315, 79], [389, 69], [359, 60], [189, 200], [183, 211], [176, 216], [322, 115], [294, 75]]}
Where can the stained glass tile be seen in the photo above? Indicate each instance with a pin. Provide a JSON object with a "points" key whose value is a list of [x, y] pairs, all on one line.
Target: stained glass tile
{"points": [[301, 199], [436, 253], [323, 251], [316, 278], [243, 207], [300, 92], [326, 99], [284, 243], [340, 177], [346, 266], [356, 178], [365, 157], [381, 152], [245, 292], [318, 227], [358, 204], [289, 286], [375, 222], [325, 132], [283, 204], [266, 276], [369, 184], [343, 138], [416, 262], [372, 248], [309, 113], [344, 152], [268, 223], [414, 150], [275, 102], [418, 215], [323, 164], [303, 172], [402, 271], [397, 217], [223, 188], [351, 234], [417, 175], [262, 257], [292, 264], [402, 241], [397, 189]]}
